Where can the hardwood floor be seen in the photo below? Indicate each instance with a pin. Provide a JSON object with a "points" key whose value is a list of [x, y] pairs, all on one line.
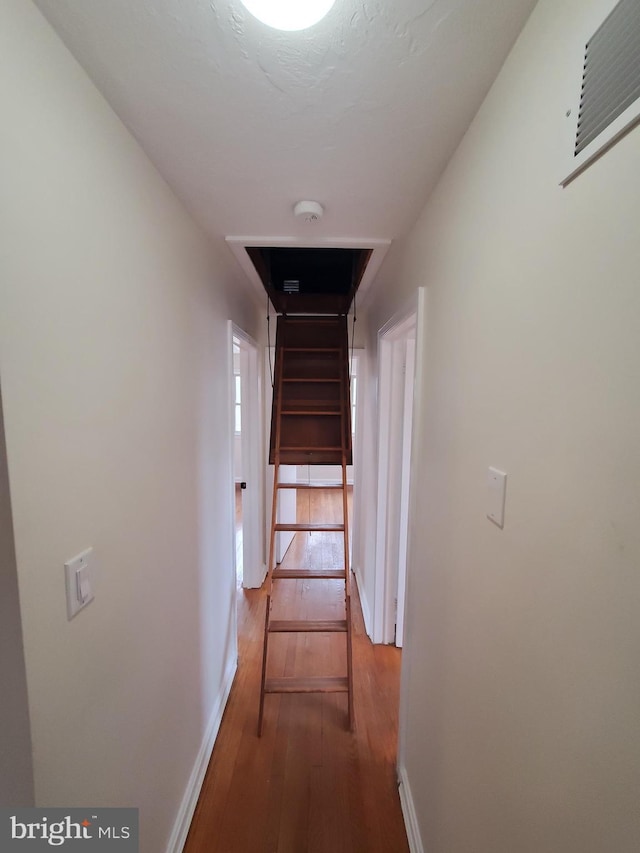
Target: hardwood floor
{"points": [[308, 785]]}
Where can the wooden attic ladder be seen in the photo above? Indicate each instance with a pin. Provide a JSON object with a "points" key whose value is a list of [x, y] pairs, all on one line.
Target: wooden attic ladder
{"points": [[310, 424]]}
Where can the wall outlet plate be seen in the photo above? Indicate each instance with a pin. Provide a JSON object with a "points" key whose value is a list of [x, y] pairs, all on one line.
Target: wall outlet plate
{"points": [[496, 493], [79, 581]]}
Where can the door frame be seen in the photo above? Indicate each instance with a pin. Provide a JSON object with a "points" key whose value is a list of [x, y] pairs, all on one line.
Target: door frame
{"points": [[405, 483], [394, 490], [252, 550]]}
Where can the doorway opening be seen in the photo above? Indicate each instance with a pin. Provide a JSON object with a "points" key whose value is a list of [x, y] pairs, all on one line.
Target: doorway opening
{"points": [[246, 455], [397, 363], [239, 483]]}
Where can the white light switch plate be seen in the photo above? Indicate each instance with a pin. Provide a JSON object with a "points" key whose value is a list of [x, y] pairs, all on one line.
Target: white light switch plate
{"points": [[496, 493], [79, 582]]}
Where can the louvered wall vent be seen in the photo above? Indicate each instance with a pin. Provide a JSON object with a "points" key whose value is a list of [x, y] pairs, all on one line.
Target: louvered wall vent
{"points": [[610, 93], [611, 80]]}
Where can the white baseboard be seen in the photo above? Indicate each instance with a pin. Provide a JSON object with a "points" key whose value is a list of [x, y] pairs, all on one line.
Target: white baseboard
{"points": [[366, 610], [409, 813], [192, 792], [262, 576]]}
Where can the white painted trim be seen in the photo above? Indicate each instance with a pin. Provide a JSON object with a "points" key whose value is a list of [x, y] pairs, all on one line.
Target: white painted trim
{"points": [[405, 483], [403, 317], [396, 328], [231, 493], [409, 812], [253, 565], [190, 799], [358, 522], [384, 406], [364, 602], [417, 442], [393, 418], [378, 248]]}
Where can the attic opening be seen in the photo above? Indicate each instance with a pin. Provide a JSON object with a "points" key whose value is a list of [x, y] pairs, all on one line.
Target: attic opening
{"points": [[310, 281]]}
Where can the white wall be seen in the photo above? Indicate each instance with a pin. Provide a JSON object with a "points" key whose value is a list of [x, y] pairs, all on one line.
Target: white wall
{"points": [[520, 671], [16, 771], [114, 357]]}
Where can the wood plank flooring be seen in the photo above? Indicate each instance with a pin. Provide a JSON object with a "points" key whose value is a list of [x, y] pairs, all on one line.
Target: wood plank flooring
{"points": [[308, 785]]}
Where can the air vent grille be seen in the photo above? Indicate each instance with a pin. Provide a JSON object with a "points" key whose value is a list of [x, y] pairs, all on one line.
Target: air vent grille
{"points": [[611, 79]]}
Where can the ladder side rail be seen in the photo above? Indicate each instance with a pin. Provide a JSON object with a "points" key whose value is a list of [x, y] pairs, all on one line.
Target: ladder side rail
{"points": [[263, 676], [345, 399], [346, 437], [346, 379], [269, 585], [347, 597], [280, 340], [274, 512]]}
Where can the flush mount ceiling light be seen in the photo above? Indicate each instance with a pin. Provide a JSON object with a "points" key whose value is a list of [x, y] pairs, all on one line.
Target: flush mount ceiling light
{"points": [[288, 14]]}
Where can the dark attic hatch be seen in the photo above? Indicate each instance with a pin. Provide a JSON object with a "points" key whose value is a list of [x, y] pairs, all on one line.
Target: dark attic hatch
{"points": [[310, 281]]}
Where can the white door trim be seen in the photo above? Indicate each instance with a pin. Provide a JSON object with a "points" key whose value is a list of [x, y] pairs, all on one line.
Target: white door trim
{"points": [[417, 443], [407, 422], [253, 569], [392, 394]]}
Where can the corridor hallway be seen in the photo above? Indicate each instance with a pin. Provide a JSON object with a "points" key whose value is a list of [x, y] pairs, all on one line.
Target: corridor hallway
{"points": [[307, 785]]}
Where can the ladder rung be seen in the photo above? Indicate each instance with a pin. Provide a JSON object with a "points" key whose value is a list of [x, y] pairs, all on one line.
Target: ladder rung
{"points": [[310, 486], [311, 413], [318, 528], [307, 449], [324, 404], [307, 626], [324, 318], [311, 574], [309, 379], [307, 685]]}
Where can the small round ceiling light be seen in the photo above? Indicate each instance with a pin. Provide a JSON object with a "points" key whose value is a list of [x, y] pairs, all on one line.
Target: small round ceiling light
{"points": [[288, 14], [308, 211]]}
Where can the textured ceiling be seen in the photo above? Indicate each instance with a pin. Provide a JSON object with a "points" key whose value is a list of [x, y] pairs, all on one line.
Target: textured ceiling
{"points": [[361, 112]]}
